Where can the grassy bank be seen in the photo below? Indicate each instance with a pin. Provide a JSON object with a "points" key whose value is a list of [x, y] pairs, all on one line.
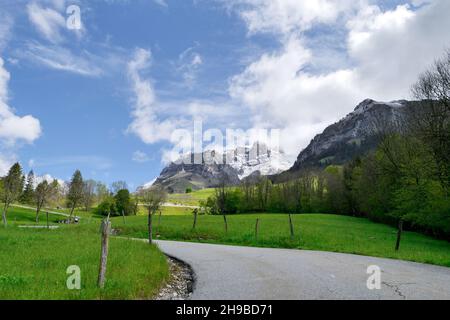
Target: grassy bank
{"points": [[33, 262], [312, 232]]}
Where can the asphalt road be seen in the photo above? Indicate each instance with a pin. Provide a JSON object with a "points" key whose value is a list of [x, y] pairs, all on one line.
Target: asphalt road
{"points": [[241, 273]]}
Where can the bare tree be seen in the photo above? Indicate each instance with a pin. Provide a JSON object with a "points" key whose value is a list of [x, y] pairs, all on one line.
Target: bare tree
{"points": [[221, 194], [89, 188], [152, 199], [432, 116], [118, 185], [102, 192], [44, 192]]}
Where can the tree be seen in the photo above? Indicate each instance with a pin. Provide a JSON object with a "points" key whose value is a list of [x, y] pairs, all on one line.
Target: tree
{"points": [[107, 207], [27, 196], [431, 118], [221, 196], [123, 202], [118, 185], [56, 192], [89, 187], [152, 199], [135, 205], [101, 191], [13, 185], [75, 194], [43, 194]]}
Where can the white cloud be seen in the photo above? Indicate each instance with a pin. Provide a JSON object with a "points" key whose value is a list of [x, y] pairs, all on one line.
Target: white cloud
{"points": [[161, 3], [189, 63], [47, 177], [6, 24], [5, 164], [48, 22], [286, 16], [146, 123], [391, 48], [140, 157], [386, 50], [282, 96], [59, 58], [12, 127], [31, 163]]}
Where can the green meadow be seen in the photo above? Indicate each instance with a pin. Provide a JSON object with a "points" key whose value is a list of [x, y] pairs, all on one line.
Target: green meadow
{"points": [[33, 262], [311, 232]]}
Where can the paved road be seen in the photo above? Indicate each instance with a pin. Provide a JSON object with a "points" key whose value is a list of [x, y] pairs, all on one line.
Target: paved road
{"points": [[227, 272]]}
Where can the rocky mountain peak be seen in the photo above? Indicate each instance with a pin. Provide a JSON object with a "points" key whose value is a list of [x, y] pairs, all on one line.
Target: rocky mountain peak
{"points": [[353, 135], [206, 170]]}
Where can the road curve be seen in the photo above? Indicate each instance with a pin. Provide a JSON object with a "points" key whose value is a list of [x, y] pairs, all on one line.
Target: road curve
{"points": [[241, 273]]}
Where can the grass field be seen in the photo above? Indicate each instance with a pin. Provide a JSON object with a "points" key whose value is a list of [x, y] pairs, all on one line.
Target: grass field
{"points": [[191, 199], [312, 232], [33, 262], [172, 211]]}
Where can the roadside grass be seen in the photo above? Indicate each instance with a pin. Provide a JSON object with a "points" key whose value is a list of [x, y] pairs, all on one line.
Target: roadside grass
{"points": [[312, 232], [190, 199], [33, 263]]}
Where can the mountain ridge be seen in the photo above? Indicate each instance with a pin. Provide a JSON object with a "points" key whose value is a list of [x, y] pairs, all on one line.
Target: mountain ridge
{"points": [[354, 135]]}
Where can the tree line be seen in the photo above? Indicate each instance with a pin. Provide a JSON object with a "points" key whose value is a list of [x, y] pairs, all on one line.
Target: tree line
{"points": [[16, 188], [405, 181]]}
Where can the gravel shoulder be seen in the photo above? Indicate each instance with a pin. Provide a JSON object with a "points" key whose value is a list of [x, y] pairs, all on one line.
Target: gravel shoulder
{"points": [[181, 282]]}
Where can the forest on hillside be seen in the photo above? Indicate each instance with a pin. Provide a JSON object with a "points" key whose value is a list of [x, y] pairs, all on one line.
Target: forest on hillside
{"points": [[405, 181]]}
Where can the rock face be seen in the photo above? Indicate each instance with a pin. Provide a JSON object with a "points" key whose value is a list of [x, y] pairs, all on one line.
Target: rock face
{"points": [[177, 177], [354, 135], [258, 161], [210, 168]]}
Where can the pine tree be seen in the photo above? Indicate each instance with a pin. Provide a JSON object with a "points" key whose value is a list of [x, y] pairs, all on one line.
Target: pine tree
{"points": [[27, 196]]}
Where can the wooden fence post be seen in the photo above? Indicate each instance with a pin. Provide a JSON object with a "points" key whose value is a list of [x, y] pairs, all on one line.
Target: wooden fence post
{"points": [[226, 222], [159, 219], [106, 230], [150, 228], [123, 216], [195, 219], [291, 226], [399, 234], [256, 229]]}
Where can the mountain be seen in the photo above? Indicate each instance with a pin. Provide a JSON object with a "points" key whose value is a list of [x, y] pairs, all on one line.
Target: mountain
{"points": [[258, 160], [354, 135], [177, 177], [233, 166]]}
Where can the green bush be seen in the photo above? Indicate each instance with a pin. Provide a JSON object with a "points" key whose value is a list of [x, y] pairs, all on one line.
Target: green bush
{"points": [[123, 203], [107, 206]]}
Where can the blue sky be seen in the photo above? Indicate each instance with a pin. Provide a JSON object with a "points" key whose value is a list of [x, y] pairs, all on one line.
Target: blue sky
{"points": [[104, 99]]}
